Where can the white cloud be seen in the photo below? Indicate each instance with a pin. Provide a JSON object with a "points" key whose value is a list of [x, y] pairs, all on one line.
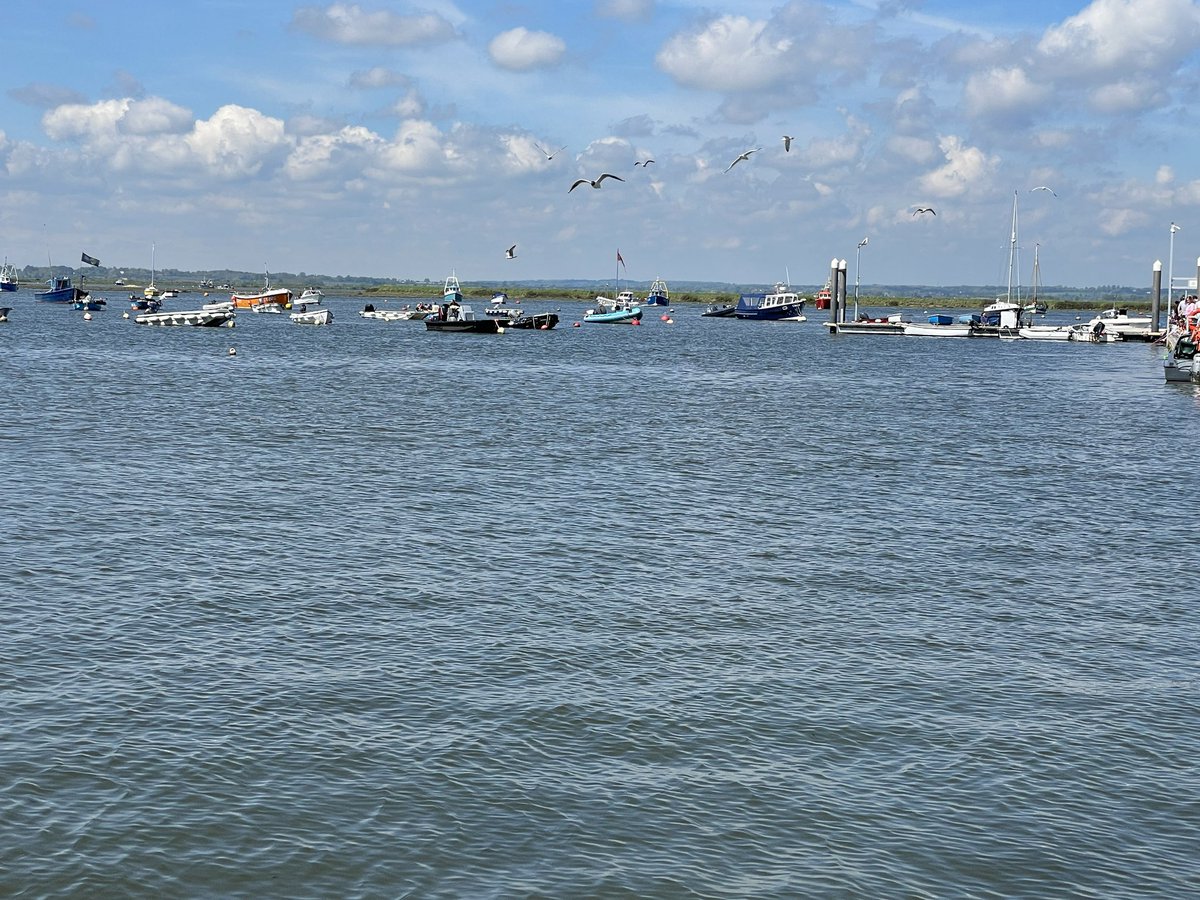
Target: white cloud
{"points": [[410, 106], [326, 154], [237, 142], [965, 167], [520, 49], [1126, 96], [732, 53], [350, 24], [1164, 176], [416, 147], [1003, 92], [155, 115], [1117, 36], [378, 77]]}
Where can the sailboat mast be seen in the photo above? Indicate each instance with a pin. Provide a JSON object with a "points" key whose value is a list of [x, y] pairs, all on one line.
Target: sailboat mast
{"points": [[1012, 252]]}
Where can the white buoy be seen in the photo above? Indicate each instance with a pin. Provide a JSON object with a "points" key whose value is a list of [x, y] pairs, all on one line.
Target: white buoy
{"points": [[87, 317], [233, 351]]}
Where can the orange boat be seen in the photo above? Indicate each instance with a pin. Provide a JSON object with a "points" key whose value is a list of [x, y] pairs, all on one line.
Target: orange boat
{"points": [[268, 294]]}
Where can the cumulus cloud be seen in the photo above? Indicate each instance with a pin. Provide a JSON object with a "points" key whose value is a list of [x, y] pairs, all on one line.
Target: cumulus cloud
{"points": [[410, 106], [1117, 36], [351, 24], [625, 10], [965, 167], [1003, 92], [237, 142], [520, 50], [326, 154], [731, 53], [155, 115]]}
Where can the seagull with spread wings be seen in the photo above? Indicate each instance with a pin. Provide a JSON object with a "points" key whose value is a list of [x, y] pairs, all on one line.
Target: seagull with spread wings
{"points": [[640, 163], [741, 157], [595, 183], [511, 252], [787, 143], [1042, 187], [546, 153], [924, 209]]}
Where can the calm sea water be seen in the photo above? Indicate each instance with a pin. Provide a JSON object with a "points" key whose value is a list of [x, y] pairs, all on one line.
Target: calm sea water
{"points": [[711, 609]]}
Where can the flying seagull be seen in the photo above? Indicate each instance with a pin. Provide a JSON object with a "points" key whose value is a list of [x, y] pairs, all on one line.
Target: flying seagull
{"points": [[745, 155], [511, 252], [1042, 187], [787, 143], [546, 153], [595, 183], [646, 163], [924, 209]]}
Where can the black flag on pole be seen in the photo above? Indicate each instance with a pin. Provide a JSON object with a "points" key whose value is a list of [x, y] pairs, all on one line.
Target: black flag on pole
{"points": [[91, 260]]}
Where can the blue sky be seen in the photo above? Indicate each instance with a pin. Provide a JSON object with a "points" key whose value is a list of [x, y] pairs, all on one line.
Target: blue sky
{"points": [[402, 139]]}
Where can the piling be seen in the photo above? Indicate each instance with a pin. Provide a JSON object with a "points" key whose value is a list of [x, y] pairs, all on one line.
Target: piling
{"points": [[1156, 295], [833, 283], [845, 293]]}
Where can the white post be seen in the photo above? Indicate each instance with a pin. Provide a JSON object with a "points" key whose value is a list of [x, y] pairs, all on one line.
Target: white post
{"points": [[1171, 269], [857, 270]]}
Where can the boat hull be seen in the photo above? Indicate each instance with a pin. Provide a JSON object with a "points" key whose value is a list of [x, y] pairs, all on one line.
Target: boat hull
{"points": [[200, 318], [282, 296], [8, 286], [616, 317], [866, 327], [313, 317], [470, 326], [538, 321], [719, 312], [917, 329]]}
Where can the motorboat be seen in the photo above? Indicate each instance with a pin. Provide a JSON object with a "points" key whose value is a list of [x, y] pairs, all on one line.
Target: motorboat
{"points": [[1092, 333], [864, 324], [781, 304], [537, 321], [719, 311], [280, 296], [940, 326], [1117, 319], [60, 289], [500, 307], [455, 316], [323, 315], [659, 295], [311, 296], [1045, 332], [609, 311], [8, 277]]}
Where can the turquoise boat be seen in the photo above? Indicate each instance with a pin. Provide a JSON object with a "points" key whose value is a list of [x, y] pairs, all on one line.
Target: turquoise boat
{"points": [[614, 312]]}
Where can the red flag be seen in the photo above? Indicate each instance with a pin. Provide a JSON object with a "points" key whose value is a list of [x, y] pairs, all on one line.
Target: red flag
{"points": [[621, 261]]}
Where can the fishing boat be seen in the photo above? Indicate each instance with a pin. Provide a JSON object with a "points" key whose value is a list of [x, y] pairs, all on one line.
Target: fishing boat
{"points": [[824, 297], [281, 296], [658, 296], [60, 290], [781, 304], [199, 318], [8, 277], [451, 291]]}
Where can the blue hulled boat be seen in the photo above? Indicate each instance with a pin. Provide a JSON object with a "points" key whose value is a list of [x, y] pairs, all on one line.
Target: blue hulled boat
{"points": [[658, 295], [60, 290], [780, 305], [614, 312]]}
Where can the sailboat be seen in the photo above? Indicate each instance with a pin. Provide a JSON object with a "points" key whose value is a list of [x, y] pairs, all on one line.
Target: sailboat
{"points": [[151, 290], [1035, 305], [1003, 318], [608, 311]]}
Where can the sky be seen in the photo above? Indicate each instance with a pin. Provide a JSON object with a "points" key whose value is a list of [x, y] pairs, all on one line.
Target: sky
{"points": [[409, 140]]}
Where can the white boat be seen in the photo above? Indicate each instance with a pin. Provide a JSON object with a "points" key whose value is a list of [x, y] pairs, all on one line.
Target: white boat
{"points": [[501, 308], [935, 329], [1003, 318], [267, 306], [312, 296], [1092, 333], [168, 295], [202, 318], [1118, 320], [624, 308], [218, 306], [1045, 332], [321, 316], [404, 314]]}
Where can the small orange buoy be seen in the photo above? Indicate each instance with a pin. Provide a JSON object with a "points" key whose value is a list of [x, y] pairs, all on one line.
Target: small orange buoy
{"points": [[575, 325], [665, 317]]}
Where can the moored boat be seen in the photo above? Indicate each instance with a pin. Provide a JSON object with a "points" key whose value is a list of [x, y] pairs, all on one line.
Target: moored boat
{"points": [[1118, 321], [500, 308], [719, 311], [60, 290], [311, 296], [659, 295], [8, 277], [89, 303], [940, 326], [779, 305], [1092, 333], [538, 321], [609, 311], [1045, 332], [201, 318], [322, 315], [893, 324], [281, 296], [455, 316]]}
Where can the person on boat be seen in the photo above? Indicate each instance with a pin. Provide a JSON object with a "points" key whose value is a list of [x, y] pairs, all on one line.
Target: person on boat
{"points": [[370, 307]]}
